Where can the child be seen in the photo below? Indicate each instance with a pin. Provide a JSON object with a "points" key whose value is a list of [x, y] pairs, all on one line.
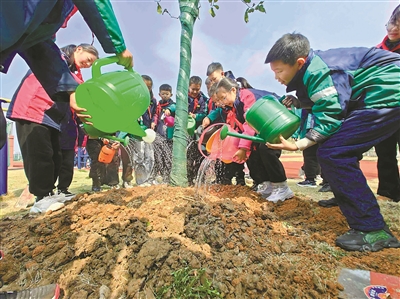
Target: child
{"points": [[163, 143], [354, 96], [101, 173], [388, 170], [237, 101], [38, 121], [28, 28], [197, 108], [143, 152]]}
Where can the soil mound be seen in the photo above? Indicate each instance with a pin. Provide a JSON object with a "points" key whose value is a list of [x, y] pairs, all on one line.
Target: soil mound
{"points": [[139, 242]]}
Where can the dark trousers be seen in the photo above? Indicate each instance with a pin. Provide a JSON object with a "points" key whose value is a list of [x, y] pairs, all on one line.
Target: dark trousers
{"points": [[388, 169], [264, 164], [67, 169], [41, 153], [126, 166], [233, 170], [162, 157], [311, 166], [99, 172], [338, 157], [194, 159]]}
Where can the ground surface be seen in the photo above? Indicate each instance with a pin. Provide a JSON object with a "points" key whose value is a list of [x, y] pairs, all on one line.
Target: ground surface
{"points": [[133, 240]]}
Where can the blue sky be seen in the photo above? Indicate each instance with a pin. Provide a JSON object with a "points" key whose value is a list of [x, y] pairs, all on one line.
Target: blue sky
{"points": [[154, 39]]}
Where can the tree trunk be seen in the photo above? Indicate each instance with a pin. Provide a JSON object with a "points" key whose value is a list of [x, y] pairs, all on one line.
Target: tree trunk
{"points": [[189, 11]]}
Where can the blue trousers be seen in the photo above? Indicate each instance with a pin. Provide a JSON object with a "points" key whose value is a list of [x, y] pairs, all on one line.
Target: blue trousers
{"points": [[360, 131]]}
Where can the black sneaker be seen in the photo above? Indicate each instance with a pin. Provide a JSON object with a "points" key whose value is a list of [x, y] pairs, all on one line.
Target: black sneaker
{"points": [[355, 240], [328, 203], [307, 183], [65, 192], [96, 188], [325, 188]]}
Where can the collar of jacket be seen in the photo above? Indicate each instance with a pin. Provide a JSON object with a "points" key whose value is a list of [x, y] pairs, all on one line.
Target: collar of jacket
{"points": [[298, 78], [389, 46]]}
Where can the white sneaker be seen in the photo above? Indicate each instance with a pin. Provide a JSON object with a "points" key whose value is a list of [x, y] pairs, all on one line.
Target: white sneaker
{"points": [[42, 205], [262, 186], [281, 191], [127, 185], [267, 190]]}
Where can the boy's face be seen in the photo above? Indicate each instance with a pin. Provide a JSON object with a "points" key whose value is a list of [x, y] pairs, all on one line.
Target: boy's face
{"points": [[214, 77], [393, 31], [194, 90], [284, 73], [149, 84], [165, 95]]}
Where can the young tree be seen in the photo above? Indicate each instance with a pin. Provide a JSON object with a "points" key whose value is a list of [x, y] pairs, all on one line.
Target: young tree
{"points": [[189, 12]]}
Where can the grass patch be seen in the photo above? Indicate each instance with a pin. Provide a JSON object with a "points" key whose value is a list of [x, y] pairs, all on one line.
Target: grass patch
{"points": [[189, 283]]}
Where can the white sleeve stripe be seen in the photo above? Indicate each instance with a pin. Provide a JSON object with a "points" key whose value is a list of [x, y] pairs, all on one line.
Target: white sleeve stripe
{"points": [[323, 93]]}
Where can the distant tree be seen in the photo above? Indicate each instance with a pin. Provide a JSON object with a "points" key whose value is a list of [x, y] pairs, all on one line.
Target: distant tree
{"points": [[189, 12]]}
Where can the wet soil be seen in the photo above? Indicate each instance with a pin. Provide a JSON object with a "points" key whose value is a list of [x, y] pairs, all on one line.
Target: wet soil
{"points": [[132, 240]]}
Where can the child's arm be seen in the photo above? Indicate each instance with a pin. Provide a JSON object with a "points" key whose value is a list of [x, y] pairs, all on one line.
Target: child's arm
{"points": [[100, 17], [248, 100]]}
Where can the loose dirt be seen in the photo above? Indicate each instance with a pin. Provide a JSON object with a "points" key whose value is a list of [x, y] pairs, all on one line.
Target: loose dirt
{"points": [[133, 240]]}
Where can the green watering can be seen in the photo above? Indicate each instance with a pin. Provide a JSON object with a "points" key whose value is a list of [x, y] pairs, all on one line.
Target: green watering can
{"points": [[269, 118], [114, 100]]}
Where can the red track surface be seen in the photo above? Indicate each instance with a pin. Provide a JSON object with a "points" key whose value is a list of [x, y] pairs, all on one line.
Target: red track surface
{"points": [[292, 164]]}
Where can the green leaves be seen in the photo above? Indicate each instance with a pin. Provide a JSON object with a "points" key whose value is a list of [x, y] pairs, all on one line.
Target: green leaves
{"points": [[213, 7], [159, 8], [252, 7], [212, 12]]}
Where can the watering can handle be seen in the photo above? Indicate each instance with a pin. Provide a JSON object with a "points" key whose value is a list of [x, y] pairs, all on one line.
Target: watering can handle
{"points": [[291, 106], [96, 72]]}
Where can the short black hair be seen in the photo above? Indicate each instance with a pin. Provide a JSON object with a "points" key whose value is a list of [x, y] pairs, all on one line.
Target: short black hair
{"points": [[395, 17], [214, 66], [289, 48], [195, 80], [166, 87]]}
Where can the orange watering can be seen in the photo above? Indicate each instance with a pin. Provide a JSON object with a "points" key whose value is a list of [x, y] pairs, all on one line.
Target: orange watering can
{"points": [[217, 148], [106, 154], [114, 100], [269, 118]]}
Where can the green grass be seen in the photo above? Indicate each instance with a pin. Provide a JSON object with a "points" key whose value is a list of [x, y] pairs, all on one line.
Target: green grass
{"points": [[189, 283]]}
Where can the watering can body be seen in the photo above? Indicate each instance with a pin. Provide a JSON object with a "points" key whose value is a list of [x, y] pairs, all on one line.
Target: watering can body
{"points": [[269, 119], [114, 100]]}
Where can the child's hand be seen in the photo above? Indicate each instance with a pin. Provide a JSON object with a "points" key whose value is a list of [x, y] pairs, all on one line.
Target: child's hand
{"points": [[291, 100], [105, 141], [192, 115], [78, 110], [115, 145], [206, 122], [125, 59], [240, 155], [153, 126], [167, 112], [284, 145]]}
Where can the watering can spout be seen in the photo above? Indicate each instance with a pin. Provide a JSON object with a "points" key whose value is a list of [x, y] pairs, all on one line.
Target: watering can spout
{"points": [[225, 132]]}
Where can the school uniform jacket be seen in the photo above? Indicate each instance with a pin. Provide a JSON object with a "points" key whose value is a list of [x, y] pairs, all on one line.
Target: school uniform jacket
{"points": [[149, 113], [235, 116], [198, 106], [29, 22], [32, 103], [157, 118], [335, 82]]}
